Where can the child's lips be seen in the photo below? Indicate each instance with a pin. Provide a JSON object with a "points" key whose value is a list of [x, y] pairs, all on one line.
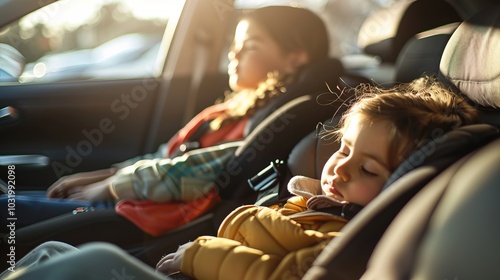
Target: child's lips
{"points": [[334, 190]]}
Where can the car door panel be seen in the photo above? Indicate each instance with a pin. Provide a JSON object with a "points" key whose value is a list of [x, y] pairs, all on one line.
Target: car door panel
{"points": [[78, 126]]}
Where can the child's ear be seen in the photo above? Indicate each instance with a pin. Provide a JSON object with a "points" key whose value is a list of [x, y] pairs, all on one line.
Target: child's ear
{"points": [[295, 60]]}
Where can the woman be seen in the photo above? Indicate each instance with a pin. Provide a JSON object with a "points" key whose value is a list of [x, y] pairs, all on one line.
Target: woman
{"points": [[268, 53]]}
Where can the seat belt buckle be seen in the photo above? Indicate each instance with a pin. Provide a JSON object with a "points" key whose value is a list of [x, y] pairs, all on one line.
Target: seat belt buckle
{"points": [[268, 177]]}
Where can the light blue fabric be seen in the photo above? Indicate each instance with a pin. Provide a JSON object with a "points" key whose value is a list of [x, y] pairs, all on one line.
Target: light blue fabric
{"points": [[59, 261]]}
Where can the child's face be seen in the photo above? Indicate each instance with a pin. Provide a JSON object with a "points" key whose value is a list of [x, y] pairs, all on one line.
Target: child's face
{"points": [[253, 55], [358, 170]]}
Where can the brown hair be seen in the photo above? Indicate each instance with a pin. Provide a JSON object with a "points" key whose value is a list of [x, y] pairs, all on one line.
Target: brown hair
{"points": [[418, 112], [293, 29]]}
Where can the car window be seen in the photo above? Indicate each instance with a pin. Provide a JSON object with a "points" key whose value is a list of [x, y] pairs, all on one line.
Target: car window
{"points": [[87, 39]]}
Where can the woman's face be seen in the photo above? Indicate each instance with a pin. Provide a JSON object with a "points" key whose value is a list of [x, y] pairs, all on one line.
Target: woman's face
{"points": [[253, 55], [359, 169]]}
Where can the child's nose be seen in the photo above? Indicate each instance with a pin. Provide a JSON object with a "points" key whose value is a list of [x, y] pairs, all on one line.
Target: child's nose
{"points": [[231, 54], [342, 170]]}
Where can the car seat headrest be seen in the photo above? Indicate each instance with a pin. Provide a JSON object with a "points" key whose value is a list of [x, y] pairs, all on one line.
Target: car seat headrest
{"points": [[310, 155], [470, 59], [421, 55], [323, 70], [384, 33]]}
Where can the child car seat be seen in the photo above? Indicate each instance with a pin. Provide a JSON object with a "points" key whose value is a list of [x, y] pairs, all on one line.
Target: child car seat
{"points": [[345, 257], [472, 46], [453, 232]]}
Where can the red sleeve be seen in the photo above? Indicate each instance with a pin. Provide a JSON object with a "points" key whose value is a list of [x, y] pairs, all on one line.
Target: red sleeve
{"points": [[187, 131]]}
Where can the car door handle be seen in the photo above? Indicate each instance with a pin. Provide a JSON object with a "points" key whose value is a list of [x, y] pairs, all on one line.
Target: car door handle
{"points": [[34, 160]]}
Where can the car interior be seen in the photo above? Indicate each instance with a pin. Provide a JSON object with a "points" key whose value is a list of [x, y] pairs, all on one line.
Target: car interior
{"points": [[436, 221], [430, 236]]}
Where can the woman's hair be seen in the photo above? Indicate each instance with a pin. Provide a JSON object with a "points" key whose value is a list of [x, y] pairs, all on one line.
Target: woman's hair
{"points": [[292, 29], [417, 112]]}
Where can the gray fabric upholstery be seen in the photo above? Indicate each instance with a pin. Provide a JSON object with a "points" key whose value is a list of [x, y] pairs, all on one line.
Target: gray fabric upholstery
{"points": [[461, 241], [470, 59]]}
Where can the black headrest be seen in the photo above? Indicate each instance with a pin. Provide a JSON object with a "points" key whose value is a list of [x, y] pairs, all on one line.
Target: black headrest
{"points": [[325, 71], [310, 155], [384, 33], [421, 55], [471, 58]]}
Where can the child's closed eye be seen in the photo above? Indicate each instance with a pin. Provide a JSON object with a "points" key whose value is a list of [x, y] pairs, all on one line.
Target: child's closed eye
{"points": [[366, 172]]}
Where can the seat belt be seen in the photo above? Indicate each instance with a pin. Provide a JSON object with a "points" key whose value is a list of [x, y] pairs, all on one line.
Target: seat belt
{"points": [[200, 64]]}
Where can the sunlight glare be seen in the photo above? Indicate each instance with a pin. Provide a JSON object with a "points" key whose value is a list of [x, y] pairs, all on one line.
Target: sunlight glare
{"points": [[81, 12]]}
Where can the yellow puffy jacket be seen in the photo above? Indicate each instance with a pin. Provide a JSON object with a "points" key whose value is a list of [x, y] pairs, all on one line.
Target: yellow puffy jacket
{"points": [[257, 242]]}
